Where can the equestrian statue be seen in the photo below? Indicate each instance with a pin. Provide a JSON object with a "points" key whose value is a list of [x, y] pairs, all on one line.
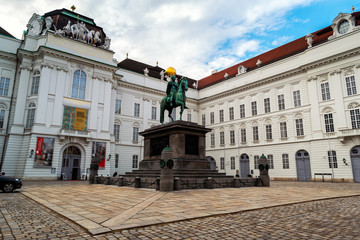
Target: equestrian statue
{"points": [[175, 95]]}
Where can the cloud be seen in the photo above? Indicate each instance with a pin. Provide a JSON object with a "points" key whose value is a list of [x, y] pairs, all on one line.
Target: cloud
{"points": [[281, 40]]}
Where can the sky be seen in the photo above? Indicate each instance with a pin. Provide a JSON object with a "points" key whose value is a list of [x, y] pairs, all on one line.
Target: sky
{"points": [[194, 37]]}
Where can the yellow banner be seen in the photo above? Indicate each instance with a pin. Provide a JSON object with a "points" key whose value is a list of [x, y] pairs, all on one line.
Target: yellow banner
{"points": [[80, 118]]}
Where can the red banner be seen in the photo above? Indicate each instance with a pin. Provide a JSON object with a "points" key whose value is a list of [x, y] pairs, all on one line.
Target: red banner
{"points": [[39, 145]]}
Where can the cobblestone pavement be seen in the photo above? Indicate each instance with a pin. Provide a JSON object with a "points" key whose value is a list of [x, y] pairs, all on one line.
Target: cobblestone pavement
{"points": [[339, 218]]}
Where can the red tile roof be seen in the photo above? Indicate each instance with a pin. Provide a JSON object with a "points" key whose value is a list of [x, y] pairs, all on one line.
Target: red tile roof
{"points": [[284, 51]]}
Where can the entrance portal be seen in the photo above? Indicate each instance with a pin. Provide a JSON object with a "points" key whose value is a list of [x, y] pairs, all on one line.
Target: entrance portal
{"points": [[244, 166], [71, 163], [303, 166], [355, 162]]}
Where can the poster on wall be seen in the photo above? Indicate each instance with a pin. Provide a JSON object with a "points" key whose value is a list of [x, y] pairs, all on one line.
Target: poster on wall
{"points": [[75, 118], [44, 152], [99, 152]]}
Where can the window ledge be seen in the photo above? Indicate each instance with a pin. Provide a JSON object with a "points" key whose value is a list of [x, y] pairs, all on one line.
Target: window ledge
{"points": [[257, 141], [300, 137], [284, 139], [269, 140], [135, 142]]}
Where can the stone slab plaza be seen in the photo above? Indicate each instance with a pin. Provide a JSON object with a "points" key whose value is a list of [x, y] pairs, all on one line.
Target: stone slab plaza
{"points": [[286, 210]]}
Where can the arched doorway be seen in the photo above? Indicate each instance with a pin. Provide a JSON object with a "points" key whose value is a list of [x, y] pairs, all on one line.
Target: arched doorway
{"points": [[70, 169], [244, 165], [355, 162], [303, 165]]}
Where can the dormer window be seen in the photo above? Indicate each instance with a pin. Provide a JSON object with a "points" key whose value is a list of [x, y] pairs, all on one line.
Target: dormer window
{"points": [[343, 26]]}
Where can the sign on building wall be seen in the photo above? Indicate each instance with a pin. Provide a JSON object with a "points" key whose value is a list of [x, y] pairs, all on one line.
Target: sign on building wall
{"points": [[44, 152], [99, 152], [75, 118]]}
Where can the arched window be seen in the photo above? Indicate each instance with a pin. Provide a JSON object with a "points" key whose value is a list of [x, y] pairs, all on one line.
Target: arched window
{"points": [[79, 85], [35, 83], [30, 115]]}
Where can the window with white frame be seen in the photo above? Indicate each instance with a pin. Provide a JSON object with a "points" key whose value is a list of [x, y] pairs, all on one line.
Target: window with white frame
{"points": [[232, 137], [253, 108], [325, 91], [267, 105], [283, 130], [203, 119], [212, 138], [299, 127], [355, 118], [231, 113], [297, 99], [281, 102], [222, 163], [79, 85], [242, 111], [243, 135], [255, 133], [137, 110], [118, 106], [189, 117], [34, 85], [268, 130], [221, 115], [332, 159], [329, 122], [350, 85], [30, 115], [135, 134], [4, 86], [222, 138], [116, 160], [117, 131], [232, 162], [285, 160], [153, 113], [212, 118], [256, 162], [270, 159], [135, 160], [2, 118]]}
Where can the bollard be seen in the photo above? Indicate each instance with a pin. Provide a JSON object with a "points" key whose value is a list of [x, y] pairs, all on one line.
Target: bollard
{"points": [[209, 183], [107, 181], [237, 182], [157, 184], [121, 181], [177, 184], [137, 182]]}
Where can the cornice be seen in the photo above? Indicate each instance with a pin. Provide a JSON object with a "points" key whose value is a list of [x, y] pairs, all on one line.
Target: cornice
{"points": [[8, 56]]}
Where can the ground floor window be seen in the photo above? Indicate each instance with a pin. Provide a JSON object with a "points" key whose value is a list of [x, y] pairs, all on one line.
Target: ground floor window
{"points": [[222, 163], [270, 159], [332, 159], [285, 159], [135, 161], [232, 162], [256, 162]]}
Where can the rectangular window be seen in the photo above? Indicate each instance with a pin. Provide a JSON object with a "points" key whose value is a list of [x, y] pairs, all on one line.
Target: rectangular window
{"points": [[299, 127], [34, 85], [135, 161], [212, 118], [253, 108], [256, 162], [231, 113], [137, 110], [281, 102], [2, 118], [267, 105], [118, 106], [255, 133], [355, 118], [232, 137], [283, 130], [222, 163], [4, 86], [135, 134], [297, 100], [243, 135], [232, 161], [212, 137], [222, 138], [116, 160], [268, 132], [350, 85], [221, 115], [117, 131], [332, 159], [242, 110], [153, 113], [30, 118], [189, 117], [285, 160], [203, 119], [325, 91], [270, 159], [329, 122]]}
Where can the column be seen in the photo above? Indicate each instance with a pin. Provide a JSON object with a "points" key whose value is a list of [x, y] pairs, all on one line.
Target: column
{"points": [[107, 106], [336, 82], [59, 95], [43, 93], [314, 109]]}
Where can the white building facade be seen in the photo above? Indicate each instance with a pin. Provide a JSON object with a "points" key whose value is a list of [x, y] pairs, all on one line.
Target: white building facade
{"points": [[65, 101]]}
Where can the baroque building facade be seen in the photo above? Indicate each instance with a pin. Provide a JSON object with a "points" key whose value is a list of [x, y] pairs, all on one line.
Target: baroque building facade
{"points": [[64, 100]]}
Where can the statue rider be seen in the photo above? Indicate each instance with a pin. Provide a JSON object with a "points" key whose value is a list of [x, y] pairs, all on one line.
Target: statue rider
{"points": [[172, 86]]}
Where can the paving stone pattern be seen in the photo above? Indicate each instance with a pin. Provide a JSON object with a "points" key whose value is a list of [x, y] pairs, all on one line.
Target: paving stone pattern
{"points": [[338, 218]]}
